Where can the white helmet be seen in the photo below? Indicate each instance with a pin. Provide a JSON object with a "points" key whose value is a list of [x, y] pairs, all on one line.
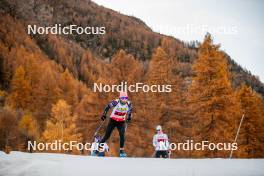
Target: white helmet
{"points": [[158, 128]]}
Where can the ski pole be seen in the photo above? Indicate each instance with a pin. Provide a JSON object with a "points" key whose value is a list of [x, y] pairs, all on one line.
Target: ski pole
{"points": [[169, 154], [153, 154], [98, 128], [126, 123], [242, 118]]}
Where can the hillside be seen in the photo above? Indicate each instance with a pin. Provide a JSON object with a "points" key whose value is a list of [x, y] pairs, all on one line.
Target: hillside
{"points": [[39, 70], [123, 32]]}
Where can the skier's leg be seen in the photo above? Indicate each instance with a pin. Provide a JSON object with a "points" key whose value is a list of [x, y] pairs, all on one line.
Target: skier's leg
{"points": [[157, 155], [121, 126], [101, 154], [167, 154], [122, 129], [164, 154], [109, 129]]}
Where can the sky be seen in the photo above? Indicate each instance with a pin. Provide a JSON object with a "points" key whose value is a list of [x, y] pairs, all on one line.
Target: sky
{"points": [[237, 25]]}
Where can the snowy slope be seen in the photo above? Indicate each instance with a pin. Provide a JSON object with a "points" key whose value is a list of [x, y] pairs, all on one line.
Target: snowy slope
{"points": [[44, 164]]}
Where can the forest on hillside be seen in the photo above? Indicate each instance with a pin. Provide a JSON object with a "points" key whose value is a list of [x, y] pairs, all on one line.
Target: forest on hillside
{"points": [[46, 83]]}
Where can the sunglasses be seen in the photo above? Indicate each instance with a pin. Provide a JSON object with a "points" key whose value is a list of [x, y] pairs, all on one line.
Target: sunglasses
{"points": [[124, 98]]}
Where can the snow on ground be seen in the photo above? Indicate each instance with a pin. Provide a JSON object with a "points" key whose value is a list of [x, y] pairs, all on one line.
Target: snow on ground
{"points": [[46, 164]]}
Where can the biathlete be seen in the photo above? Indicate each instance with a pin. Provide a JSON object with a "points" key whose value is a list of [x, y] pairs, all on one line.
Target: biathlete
{"points": [[121, 113]]}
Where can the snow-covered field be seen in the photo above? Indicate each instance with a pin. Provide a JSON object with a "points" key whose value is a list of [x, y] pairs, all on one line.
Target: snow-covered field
{"points": [[45, 164]]}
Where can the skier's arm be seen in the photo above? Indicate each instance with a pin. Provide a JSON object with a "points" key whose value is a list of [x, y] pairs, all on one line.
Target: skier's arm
{"points": [[154, 141], [107, 107], [129, 113], [167, 142]]}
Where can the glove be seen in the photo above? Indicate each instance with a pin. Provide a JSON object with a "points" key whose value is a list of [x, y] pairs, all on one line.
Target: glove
{"points": [[128, 119], [103, 117]]}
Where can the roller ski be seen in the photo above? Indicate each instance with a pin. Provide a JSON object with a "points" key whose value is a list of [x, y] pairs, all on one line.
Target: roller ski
{"points": [[122, 154]]}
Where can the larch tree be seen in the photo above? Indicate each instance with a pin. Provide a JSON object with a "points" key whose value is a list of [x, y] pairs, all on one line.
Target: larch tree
{"points": [[61, 125], [69, 87], [33, 72], [20, 96], [9, 135], [28, 128], [130, 69], [49, 93], [159, 73], [160, 67], [211, 97], [164, 70], [164, 105], [250, 140], [28, 125], [87, 111]]}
